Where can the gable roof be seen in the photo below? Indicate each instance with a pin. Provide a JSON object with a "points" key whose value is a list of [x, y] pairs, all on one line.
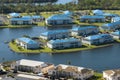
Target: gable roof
{"points": [[83, 28], [116, 33], [113, 24], [20, 19]]}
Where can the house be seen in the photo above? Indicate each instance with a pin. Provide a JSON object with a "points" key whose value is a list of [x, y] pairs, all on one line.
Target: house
{"points": [[14, 15], [55, 34], [97, 12], [25, 65], [111, 74], [94, 18], [27, 43], [97, 39], [115, 35], [84, 31], [110, 26], [21, 21], [59, 19], [64, 43], [69, 71], [115, 19], [29, 77]]}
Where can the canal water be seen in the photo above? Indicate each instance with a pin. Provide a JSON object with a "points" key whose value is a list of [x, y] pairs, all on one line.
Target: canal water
{"points": [[98, 59]]}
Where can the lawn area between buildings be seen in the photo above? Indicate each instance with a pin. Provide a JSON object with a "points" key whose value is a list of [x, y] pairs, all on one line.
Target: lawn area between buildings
{"points": [[18, 49]]}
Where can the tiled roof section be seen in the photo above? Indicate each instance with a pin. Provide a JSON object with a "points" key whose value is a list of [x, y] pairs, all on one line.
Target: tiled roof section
{"points": [[63, 40], [112, 72], [27, 40], [92, 17], [59, 17]]}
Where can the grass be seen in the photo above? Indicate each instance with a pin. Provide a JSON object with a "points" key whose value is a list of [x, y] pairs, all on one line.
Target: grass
{"points": [[18, 49], [97, 76]]}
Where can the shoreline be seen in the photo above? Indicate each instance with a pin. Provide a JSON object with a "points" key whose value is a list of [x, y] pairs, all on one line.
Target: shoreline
{"points": [[16, 49]]}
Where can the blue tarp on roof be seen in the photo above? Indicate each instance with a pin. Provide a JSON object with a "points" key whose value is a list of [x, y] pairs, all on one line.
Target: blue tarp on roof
{"points": [[93, 17], [27, 40], [98, 36], [14, 14], [58, 17], [53, 32], [63, 40]]}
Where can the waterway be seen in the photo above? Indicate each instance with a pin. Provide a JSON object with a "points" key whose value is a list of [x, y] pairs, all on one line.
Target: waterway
{"points": [[98, 59]]}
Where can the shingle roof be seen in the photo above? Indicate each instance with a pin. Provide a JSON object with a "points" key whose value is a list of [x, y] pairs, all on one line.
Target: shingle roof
{"points": [[20, 19], [27, 40], [93, 17], [112, 72], [63, 40], [98, 36], [113, 24], [53, 32], [58, 17], [32, 17], [82, 28], [110, 14]]}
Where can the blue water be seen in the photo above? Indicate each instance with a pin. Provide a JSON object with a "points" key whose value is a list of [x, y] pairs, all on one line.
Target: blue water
{"points": [[97, 59]]}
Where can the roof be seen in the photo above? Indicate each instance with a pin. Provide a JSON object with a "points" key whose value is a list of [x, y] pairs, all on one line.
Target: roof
{"points": [[33, 16], [31, 76], [74, 68], [97, 12], [14, 14], [20, 19], [112, 72], [93, 17], [82, 28], [50, 32], [30, 63], [110, 14], [68, 12], [59, 17], [63, 40], [116, 33], [116, 19], [98, 36], [27, 40], [113, 24]]}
